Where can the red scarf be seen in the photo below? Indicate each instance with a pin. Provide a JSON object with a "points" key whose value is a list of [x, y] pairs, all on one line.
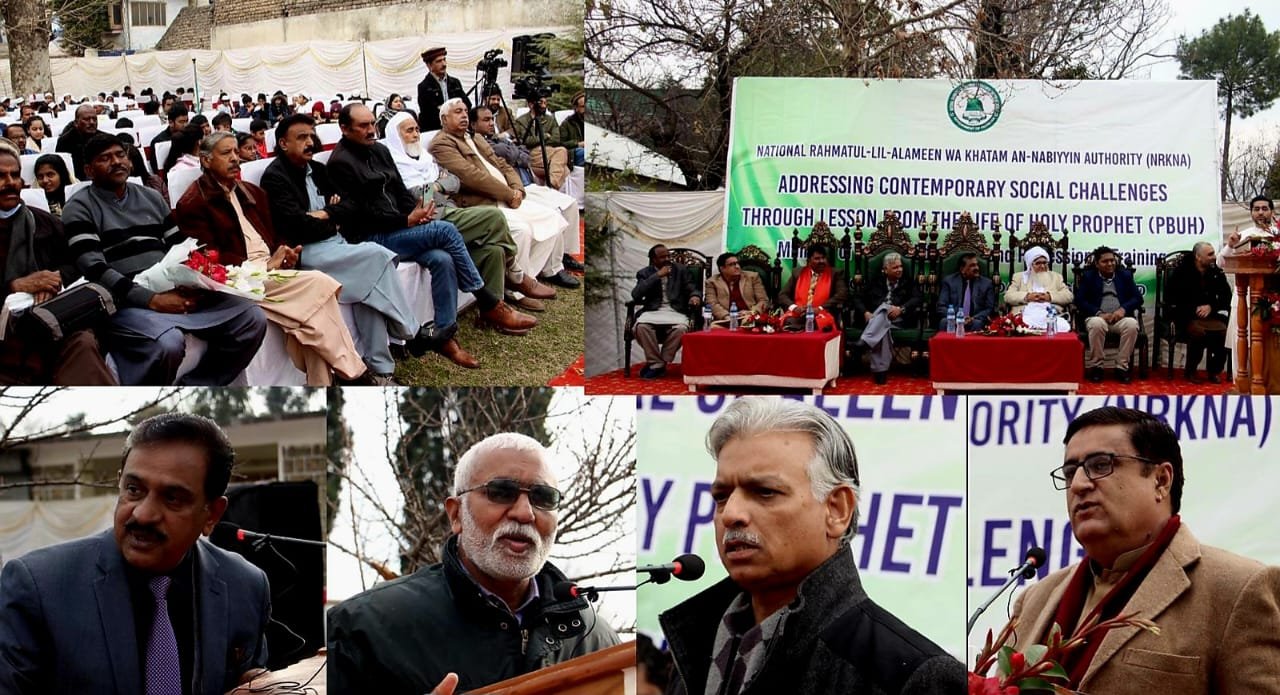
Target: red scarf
{"points": [[821, 292], [1068, 615]]}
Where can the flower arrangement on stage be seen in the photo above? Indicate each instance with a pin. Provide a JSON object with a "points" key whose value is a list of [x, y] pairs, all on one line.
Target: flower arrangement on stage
{"points": [[186, 265], [1035, 669], [761, 322], [1010, 326], [1267, 307], [1268, 250]]}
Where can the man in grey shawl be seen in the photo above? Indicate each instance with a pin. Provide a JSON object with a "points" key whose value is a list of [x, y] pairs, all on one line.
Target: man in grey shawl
{"points": [[298, 192], [116, 229]]}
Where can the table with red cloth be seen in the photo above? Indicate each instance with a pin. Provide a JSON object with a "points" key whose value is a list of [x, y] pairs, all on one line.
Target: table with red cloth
{"points": [[721, 357], [1028, 363]]}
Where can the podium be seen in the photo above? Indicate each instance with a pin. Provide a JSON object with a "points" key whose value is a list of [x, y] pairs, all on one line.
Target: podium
{"points": [[605, 672], [1251, 355]]}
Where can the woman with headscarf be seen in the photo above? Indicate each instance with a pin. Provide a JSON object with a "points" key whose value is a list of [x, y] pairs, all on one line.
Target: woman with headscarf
{"points": [[1032, 291], [53, 178], [390, 108]]}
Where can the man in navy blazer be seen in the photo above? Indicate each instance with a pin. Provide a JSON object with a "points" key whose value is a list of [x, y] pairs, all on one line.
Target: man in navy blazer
{"points": [[148, 607], [982, 294], [1108, 298]]}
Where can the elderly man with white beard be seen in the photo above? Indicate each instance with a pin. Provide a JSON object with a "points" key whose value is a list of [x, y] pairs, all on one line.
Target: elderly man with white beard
{"points": [[484, 229], [487, 611], [533, 212], [1036, 289]]}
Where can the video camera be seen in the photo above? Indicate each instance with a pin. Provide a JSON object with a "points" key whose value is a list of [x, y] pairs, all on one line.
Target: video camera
{"points": [[490, 64], [534, 86]]}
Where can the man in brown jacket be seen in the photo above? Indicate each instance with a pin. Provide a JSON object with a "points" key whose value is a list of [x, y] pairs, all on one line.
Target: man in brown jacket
{"points": [[1218, 613], [536, 224], [734, 285]]}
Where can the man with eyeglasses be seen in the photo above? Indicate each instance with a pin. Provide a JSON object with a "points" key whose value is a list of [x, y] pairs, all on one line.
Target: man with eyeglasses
{"points": [[792, 617], [1218, 613], [733, 285], [487, 612]]}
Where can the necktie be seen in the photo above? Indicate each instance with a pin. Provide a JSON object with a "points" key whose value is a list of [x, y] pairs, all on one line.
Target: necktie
{"points": [[813, 285], [964, 304], [164, 669]]}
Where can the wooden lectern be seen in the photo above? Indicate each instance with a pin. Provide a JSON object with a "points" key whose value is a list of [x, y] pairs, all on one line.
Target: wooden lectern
{"points": [[1251, 355], [599, 673]]}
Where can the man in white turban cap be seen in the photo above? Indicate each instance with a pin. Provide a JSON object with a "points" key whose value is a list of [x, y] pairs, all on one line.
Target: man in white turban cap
{"points": [[1035, 289]]}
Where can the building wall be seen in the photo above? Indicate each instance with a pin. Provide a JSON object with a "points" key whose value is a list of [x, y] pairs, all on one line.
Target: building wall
{"points": [[382, 22], [142, 38]]}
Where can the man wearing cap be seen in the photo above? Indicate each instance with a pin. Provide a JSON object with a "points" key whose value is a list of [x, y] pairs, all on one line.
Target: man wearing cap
{"points": [[436, 88], [488, 611]]}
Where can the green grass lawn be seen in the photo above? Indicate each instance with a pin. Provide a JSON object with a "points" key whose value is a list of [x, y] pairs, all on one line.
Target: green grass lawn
{"points": [[507, 360]]}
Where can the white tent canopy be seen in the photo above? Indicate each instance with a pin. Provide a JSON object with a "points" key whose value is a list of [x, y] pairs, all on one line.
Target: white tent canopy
{"points": [[613, 151]]}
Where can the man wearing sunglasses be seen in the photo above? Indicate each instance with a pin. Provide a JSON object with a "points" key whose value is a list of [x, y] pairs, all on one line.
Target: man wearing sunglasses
{"points": [[1217, 612], [487, 612], [792, 617]]}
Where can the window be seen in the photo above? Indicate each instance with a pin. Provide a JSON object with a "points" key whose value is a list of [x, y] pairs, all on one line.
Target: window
{"points": [[116, 16], [148, 14]]}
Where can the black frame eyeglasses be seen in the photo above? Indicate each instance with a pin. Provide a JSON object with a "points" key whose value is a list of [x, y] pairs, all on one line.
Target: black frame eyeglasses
{"points": [[507, 491], [1096, 466]]}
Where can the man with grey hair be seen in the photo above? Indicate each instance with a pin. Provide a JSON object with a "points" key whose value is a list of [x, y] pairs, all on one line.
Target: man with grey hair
{"points": [[487, 611], [1200, 301], [792, 616], [890, 301]]}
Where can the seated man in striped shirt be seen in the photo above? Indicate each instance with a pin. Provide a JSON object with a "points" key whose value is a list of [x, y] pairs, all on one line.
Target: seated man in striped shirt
{"points": [[116, 229]]}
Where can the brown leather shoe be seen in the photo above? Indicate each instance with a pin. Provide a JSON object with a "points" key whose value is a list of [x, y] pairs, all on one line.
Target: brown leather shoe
{"points": [[530, 287], [504, 319], [460, 357], [526, 303]]}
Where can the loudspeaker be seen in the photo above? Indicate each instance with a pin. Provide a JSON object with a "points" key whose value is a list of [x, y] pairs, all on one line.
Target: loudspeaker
{"points": [[295, 571], [527, 55]]}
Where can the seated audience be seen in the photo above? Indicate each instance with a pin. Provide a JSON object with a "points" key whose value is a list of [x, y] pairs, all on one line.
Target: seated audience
{"points": [[969, 290], [375, 206], [36, 261], [53, 178], [1035, 289], [36, 131], [573, 130], [483, 227], [247, 147], [533, 212], [392, 106], [222, 122], [733, 285], [233, 217], [116, 229], [1108, 298], [17, 134], [258, 128], [184, 150], [1200, 298], [889, 301], [665, 290], [76, 134]]}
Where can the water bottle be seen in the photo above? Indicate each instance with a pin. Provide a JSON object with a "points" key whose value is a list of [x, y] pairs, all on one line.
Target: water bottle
{"points": [[706, 317], [960, 322], [951, 319], [809, 325], [733, 316], [1051, 327]]}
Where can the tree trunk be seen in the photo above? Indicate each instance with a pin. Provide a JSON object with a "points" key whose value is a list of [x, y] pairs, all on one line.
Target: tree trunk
{"points": [[1226, 150], [27, 25]]}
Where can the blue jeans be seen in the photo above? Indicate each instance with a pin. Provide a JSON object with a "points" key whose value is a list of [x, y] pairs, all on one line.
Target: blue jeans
{"points": [[579, 156], [439, 247]]}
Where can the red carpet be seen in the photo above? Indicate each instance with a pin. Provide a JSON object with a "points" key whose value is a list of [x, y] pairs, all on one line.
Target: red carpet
{"points": [[573, 376], [900, 383]]}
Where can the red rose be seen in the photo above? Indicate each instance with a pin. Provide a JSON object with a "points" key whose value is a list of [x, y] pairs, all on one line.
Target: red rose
{"points": [[989, 686], [212, 255], [219, 273]]}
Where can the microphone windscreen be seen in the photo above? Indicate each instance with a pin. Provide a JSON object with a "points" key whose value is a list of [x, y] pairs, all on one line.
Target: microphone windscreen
{"points": [[1036, 556], [564, 591], [691, 567]]}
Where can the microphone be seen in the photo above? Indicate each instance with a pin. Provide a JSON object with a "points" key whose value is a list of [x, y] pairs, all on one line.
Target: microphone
{"points": [[1035, 558], [258, 539], [687, 567], [566, 591]]}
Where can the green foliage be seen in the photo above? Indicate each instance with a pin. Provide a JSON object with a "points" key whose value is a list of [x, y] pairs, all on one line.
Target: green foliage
{"points": [[1242, 55], [337, 450], [84, 24], [222, 405], [282, 400]]}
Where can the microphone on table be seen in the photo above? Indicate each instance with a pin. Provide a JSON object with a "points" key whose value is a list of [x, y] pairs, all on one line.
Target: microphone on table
{"points": [[1035, 558], [687, 567]]}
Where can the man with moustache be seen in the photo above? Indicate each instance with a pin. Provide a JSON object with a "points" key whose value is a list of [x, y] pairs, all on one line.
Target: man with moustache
{"points": [[733, 285], [1217, 612], [74, 136], [487, 611], [792, 616], [148, 607], [436, 88]]}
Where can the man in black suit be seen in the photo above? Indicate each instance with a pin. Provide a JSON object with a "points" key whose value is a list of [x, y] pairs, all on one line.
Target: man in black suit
{"points": [[895, 297], [436, 88], [980, 302], [665, 291]]}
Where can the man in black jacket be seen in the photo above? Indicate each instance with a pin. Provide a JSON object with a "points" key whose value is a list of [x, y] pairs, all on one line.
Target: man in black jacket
{"points": [[489, 610], [665, 290], [375, 206], [301, 199], [792, 617], [1200, 299], [436, 88], [896, 296]]}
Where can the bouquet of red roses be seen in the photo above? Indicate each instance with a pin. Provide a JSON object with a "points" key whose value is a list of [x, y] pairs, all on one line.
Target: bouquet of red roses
{"points": [[206, 263], [1010, 325], [187, 265], [1267, 307]]}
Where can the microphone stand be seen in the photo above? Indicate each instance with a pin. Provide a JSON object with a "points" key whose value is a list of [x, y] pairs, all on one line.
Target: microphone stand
{"points": [[1027, 571]]}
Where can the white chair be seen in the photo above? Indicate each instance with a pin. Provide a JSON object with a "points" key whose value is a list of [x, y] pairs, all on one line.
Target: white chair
{"points": [[322, 157], [252, 171], [49, 144], [35, 197], [29, 166], [162, 152], [271, 139], [271, 365], [241, 125], [146, 121], [179, 181], [70, 191], [329, 133], [561, 115], [147, 133]]}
